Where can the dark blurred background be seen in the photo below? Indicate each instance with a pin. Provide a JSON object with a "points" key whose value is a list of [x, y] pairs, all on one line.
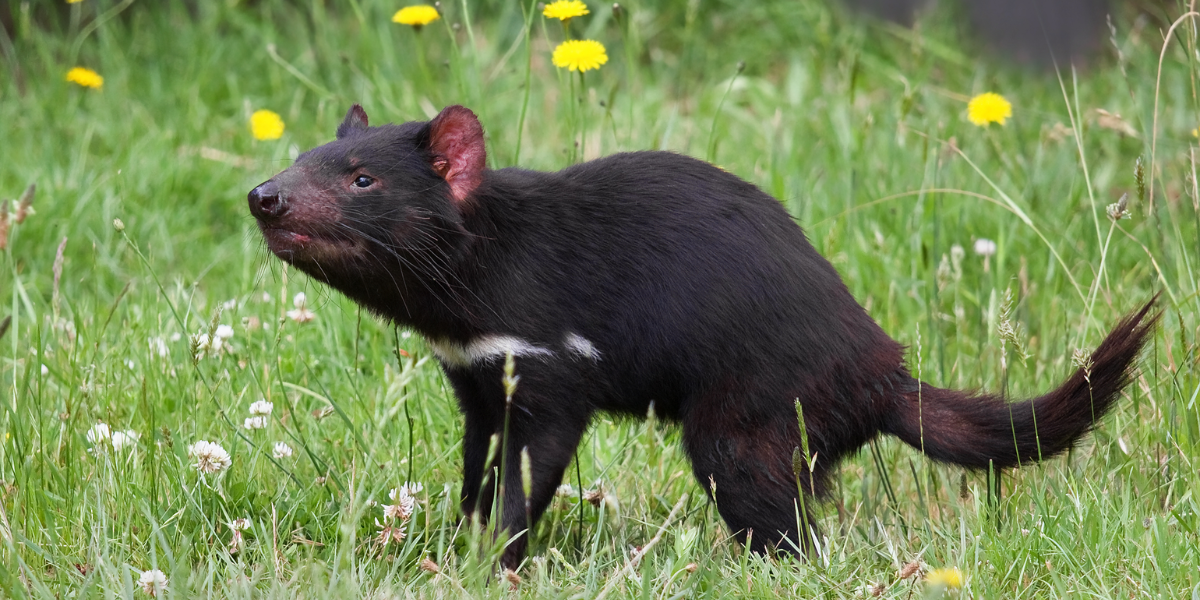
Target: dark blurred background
{"points": [[1033, 32], [1040, 32]]}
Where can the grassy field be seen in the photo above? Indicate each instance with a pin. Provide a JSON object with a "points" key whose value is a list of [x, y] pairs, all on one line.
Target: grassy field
{"points": [[859, 129]]}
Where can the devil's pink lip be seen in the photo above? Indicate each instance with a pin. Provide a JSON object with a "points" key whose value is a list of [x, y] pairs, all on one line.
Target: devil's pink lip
{"points": [[291, 245], [299, 238], [283, 239]]}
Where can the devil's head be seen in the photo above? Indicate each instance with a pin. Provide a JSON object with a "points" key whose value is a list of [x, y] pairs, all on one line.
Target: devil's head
{"points": [[377, 203]]}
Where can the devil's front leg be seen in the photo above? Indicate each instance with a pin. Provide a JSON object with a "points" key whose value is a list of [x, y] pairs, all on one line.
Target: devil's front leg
{"points": [[550, 442], [546, 419], [482, 418]]}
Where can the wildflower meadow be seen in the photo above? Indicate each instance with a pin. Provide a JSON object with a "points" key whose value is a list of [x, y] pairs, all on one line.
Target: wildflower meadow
{"points": [[184, 416]]}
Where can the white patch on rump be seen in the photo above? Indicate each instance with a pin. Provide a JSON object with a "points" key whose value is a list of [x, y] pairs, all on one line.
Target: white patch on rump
{"points": [[581, 346], [486, 348]]}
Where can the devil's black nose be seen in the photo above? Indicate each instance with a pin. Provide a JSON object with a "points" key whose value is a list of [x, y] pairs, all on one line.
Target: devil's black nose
{"points": [[266, 202]]}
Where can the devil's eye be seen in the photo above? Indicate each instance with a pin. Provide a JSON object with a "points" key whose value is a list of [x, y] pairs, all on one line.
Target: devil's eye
{"points": [[363, 181]]}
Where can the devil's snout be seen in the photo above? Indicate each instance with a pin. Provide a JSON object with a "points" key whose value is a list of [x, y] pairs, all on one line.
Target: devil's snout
{"points": [[266, 202]]}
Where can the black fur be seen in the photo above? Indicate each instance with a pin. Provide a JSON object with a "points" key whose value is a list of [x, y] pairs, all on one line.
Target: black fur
{"points": [[697, 291]]}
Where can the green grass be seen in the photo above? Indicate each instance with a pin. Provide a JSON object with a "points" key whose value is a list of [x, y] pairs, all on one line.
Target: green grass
{"points": [[852, 126]]}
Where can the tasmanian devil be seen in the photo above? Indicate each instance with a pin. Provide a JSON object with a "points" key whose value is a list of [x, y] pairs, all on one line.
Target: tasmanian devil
{"points": [[638, 278]]}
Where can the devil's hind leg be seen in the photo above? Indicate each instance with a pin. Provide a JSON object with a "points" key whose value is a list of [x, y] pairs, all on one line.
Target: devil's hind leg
{"points": [[746, 467]]}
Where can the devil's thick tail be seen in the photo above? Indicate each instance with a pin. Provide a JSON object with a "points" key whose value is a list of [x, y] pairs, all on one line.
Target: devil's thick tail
{"points": [[975, 430]]}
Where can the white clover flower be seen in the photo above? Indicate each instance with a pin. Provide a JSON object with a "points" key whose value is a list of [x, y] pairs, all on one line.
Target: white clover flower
{"points": [[237, 541], [282, 450], [210, 457], [400, 493], [412, 488], [397, 511], [266, 297], [45, 370], [158, 346], [123, 439], [388, 534], [153, 582], [255, 423], [229, 304], [262, 408], [404, 505], [565, 490], [602, 496], [985, 247], [301, 314], [99, 434], [224, 332]]}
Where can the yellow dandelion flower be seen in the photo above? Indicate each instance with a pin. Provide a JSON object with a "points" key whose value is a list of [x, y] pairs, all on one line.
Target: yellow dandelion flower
{"points": [[417, 15], [947, 578], [266, 125], [580, 55], [988, 108], [85, 77], [564, 10]]}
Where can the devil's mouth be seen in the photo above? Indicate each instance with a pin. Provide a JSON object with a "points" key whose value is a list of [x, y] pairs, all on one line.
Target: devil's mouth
{"points": [[296, 246]]}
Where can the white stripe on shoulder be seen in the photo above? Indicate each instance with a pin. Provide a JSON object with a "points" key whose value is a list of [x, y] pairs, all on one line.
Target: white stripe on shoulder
{"points": [[484, 349], [580, 345]]}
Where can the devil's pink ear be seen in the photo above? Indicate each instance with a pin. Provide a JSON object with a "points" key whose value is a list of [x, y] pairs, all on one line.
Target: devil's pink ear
{"points": [[457, 150], [356, 120]]}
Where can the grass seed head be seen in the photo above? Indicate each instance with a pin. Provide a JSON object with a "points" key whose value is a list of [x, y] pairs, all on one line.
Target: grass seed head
{"points": [[510, 379], [1139, 175], [25, 204], [512, 578], [526, 474], [429, 566]]}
